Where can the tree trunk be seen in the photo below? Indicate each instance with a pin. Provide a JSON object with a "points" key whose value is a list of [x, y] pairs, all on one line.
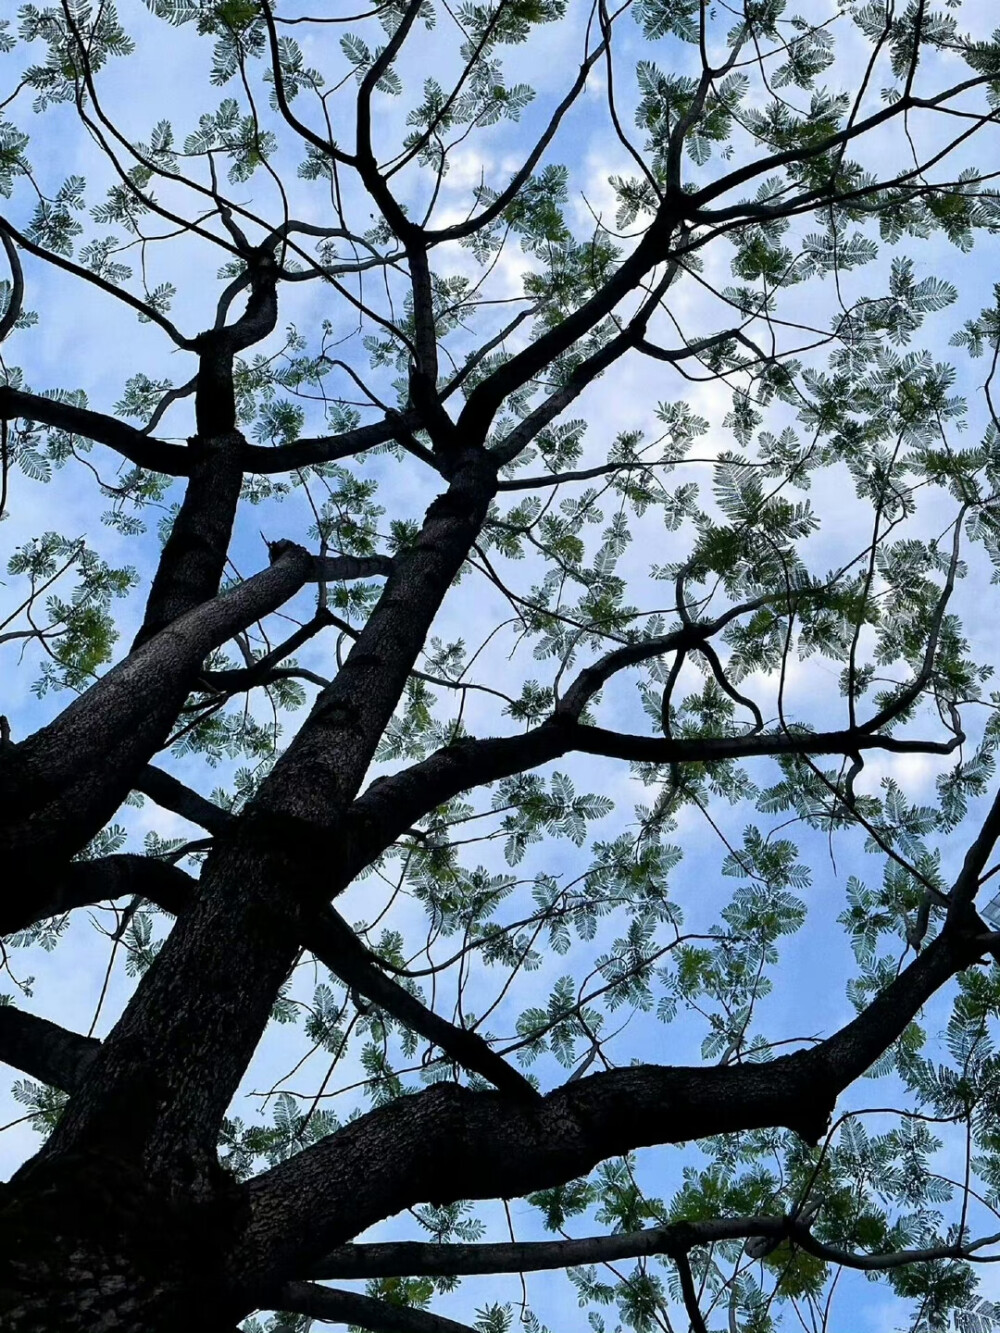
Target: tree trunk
{"points": [[86, 1243]]}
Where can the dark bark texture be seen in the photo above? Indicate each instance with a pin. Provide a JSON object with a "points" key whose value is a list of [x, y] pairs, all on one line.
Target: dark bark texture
{"points": [[125, 1221]]}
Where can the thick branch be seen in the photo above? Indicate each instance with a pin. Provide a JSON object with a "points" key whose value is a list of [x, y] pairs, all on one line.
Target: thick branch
{"points": [[327, 448], [451, 1143], [84, 883], [215, 398], [172, 794], [350, 1307], [484, 401], [43, 1050], [201, 1008], [62, 784], [194, 558], [172, 459]]}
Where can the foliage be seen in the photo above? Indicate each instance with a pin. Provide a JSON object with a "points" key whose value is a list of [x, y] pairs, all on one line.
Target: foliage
{"points": [[687, 682]]}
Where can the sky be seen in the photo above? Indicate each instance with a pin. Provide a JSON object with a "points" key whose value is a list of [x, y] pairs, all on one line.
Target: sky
{"points": [[86, 340]]}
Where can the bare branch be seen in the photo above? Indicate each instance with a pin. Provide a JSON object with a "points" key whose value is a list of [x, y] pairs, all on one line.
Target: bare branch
{"points": [[43, 1050], [350, 1307], [330, 938], [84, 883]]}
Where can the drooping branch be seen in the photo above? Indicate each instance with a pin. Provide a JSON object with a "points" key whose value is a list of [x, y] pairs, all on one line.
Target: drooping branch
{"points": [[158, 456], [84, 883], [328, 936], [43, 1050], [77, 270], [16, 300], [172, 794], [330, 1306], [451, 1143]]}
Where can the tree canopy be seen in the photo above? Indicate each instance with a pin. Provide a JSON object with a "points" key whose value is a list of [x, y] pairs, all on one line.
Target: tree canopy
{"points": [[501, 521]]}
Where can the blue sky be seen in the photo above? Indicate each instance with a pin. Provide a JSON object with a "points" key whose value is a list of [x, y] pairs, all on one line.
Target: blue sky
{"points": [[87, 340]]}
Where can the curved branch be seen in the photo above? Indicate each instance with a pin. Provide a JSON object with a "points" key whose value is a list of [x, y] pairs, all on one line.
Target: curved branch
{"points": [[13, 311], [690, 1295], [84, 883], [350, 1307], [583, 474], [172, 459], [68, 266], [468, 228], [451, 1143]]}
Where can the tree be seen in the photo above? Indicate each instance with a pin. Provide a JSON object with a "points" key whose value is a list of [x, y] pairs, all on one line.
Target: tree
{"points": [[448, 292]]}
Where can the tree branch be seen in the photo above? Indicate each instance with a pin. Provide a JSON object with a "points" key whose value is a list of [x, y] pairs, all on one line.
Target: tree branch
{"points": [[458, 230], [14, 305], [393, 804], [326, 448], [84, 883], [350, 1307], [334, 943], [67, 265], [450, 1143], [43, 1050], [418, 1258], [690, 1295], [229, 955], [63, 783], [174, 460], [172, 794]]}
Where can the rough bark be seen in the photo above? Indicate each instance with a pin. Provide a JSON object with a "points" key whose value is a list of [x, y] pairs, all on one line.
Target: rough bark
{"points": [[451, 1143], [199, 1011]]}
